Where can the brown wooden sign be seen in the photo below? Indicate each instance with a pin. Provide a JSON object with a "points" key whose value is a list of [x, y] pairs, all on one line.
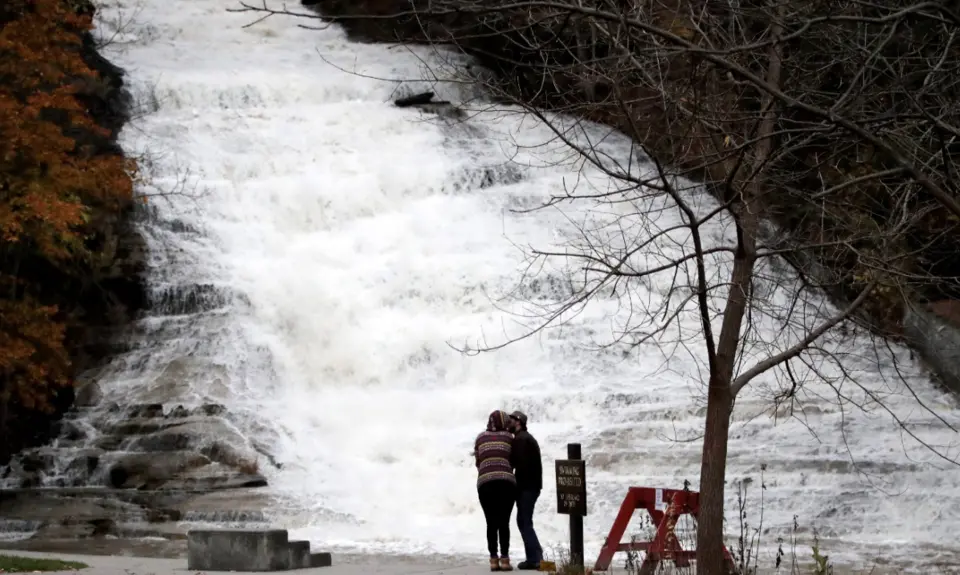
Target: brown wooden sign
{"points": [[572, 487]]}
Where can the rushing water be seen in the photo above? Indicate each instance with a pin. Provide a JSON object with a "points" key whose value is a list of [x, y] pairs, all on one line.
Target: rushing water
{"points": [[325, 250]]}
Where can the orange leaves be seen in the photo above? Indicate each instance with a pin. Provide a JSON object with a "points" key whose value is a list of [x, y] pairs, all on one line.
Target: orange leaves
{"points": [[59, 99], [47, 180], [49, 186], [32, 356], [41, 43]]}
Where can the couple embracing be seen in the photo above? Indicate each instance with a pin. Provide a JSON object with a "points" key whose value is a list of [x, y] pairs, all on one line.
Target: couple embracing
{"points": [[509, 471]]}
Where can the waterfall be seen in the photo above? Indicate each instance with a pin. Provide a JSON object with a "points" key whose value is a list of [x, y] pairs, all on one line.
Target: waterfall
{"points": [[317, 253]]}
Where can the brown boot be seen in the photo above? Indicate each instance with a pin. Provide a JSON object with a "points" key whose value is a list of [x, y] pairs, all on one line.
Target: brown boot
{"points": [[505, 564], [494, 564]]}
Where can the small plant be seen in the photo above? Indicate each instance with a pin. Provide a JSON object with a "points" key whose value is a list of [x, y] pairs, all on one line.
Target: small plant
{"points": [[748, 542], [822, 564], [562, 563]]}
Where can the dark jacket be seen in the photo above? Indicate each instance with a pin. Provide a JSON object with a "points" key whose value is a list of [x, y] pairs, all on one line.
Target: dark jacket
{"points": [[525, 458]]}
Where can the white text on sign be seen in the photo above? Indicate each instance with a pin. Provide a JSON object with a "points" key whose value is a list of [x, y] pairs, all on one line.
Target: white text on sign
{"points": [[569, 481]]}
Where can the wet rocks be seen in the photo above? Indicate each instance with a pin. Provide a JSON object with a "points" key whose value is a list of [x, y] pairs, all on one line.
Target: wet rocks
{"points": [[414, 100], [209, 409], [72, 431], [84, 464], [146, 410], [143, 470], [149, 470], [145, 446], [44, 518], [178, 412], [215, 476], [424, 101], [88, 395], [49, 508]]}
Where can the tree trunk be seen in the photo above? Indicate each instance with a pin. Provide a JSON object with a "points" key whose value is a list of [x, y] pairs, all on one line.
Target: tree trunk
{"points": [[713, 468]]}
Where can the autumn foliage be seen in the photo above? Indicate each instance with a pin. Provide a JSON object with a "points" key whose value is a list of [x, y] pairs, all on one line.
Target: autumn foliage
{"points": [[53, 181]]}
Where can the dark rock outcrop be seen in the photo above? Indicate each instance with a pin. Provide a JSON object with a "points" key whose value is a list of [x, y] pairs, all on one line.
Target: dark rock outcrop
{"points": [[139, 471], [85, 519], [113, 293], [424, 102], [140, 447], [414, 100]]}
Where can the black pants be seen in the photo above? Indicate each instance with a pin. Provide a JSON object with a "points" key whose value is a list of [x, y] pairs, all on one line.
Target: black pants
{"points": [[497, 498], [526, 501]]}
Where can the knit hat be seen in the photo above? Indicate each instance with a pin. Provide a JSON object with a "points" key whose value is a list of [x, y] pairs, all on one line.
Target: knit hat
{"points": [[520, 416], [497, 421]]}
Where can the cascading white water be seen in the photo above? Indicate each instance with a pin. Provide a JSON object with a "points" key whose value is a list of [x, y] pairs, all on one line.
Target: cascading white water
{"points": [[332, 247]]}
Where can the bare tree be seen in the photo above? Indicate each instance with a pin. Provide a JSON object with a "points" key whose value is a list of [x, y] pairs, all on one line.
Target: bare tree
{"points": [[827, 131]]}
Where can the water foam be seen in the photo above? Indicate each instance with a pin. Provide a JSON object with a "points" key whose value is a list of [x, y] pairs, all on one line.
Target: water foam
{"points": [[349, 243]]}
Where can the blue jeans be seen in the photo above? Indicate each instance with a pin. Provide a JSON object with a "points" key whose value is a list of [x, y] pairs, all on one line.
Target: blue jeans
{"points": [[526, 501]]}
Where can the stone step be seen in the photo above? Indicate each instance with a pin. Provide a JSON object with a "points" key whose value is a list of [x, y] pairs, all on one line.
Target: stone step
{"points": [[298, 555], [249, 550], [322, 559], [302, 558]]}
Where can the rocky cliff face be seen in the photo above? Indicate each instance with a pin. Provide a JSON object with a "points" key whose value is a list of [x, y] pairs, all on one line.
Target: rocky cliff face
{"points": [[94, 472], [138, 447], [113, 292], [130, 473]]}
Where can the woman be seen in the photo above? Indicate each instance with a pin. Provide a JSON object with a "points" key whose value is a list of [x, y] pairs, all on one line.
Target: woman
{"points": [[496, 486]]}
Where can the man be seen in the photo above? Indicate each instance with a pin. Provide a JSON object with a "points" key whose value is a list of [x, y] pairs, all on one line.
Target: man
{"points": [[525, 458]]}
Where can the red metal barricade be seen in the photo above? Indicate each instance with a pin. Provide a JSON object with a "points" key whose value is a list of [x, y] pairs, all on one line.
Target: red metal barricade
{"points": [[665, 507]]}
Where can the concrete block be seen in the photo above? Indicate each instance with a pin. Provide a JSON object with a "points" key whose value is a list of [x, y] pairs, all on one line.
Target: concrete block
{"points": [[299, 554], [321, 560], [238, 550]]}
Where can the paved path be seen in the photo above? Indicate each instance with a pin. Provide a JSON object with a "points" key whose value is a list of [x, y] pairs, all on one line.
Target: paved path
{"points": [[374, 565], [357, 564]]}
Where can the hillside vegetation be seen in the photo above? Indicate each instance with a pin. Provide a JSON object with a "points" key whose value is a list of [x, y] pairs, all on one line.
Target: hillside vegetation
{"points": [[65, 192]]}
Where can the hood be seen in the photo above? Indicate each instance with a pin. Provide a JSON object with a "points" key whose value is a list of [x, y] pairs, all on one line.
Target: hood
{"points": [[497, 421]]}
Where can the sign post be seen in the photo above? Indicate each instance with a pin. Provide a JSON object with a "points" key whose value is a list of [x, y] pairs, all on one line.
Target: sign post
{"points": [[572, 498]]}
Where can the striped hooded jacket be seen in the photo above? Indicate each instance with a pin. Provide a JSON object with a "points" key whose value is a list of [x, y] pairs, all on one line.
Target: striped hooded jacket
{"points": [[492, 450]]}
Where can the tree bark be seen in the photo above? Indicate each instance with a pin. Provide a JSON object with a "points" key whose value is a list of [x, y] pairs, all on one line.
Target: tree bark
{"points": [[713, 468], [713, 465]]}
